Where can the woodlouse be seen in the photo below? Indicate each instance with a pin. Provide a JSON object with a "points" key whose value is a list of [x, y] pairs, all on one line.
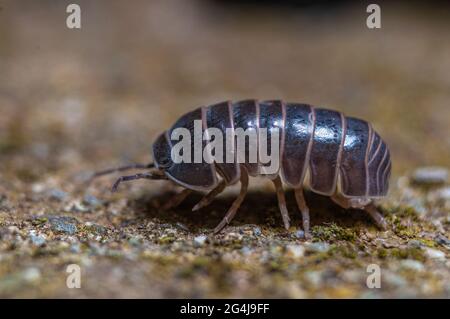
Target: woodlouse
{"points": [[344, 157]]}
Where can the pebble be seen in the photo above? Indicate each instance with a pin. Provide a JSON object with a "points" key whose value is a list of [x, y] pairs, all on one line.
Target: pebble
{"points": [[246, 250], [57, 194], [199, 241], [233, 237], [4, 203], [295, 291], [444, 193], [414, 243], [64, 224], [296, 251], [135, 241], [13, 230], [300, 234], [182, 227], [353, 276], [98, 250], [76, 207], [412, 264], [314, 278], [75, 248], [434, 254], [393, 279], [442, 240], [91, 201], [317, 247], [388, 244], [418, 206], [430, 175], [37, 188], [31, 274], [37, 240], [257, 231], [98, 229]]}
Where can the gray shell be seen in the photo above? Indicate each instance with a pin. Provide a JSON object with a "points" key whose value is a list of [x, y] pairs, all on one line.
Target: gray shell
{"points": [[332, 147]]}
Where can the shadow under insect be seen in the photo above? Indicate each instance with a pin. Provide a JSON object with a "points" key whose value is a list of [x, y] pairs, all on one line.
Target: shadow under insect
{"points": [[259, 208]]}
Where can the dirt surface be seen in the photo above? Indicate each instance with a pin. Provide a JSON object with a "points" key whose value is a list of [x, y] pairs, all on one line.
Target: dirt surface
{"points": [[75, 101]]}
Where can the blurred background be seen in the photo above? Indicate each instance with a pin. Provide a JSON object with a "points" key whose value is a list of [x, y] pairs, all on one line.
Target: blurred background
{"points": [[99, 95], [73, 101]]}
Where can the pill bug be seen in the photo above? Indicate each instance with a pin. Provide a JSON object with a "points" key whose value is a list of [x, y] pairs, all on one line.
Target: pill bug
{"points": [[344, 157]]}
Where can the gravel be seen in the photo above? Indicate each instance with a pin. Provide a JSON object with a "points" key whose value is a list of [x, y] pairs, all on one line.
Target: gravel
{"points": [[317, 247], [412, 264], [200, 241], [435, 254], [64, 224], [57, 194], [37, 240], [296, 251], [430, 175], [91, 201]]}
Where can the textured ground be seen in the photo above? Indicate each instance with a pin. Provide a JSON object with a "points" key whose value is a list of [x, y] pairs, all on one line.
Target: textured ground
{"points": [[75, 101]]}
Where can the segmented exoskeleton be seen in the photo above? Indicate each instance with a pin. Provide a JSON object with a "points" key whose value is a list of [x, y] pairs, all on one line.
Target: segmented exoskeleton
{"points": [[344, 157]]}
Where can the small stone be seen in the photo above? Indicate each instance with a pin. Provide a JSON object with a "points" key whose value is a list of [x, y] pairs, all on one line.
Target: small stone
{"points": [[31, 274], [353, 276], [75, 248], [257, 231], [300, 234], [37, 240], [444, 193], [418, 206], [314, 278], [318, 247], [296, 251], [387, 244], [38, 220], [37, 188], [96, 249], [393, 279], [246, 250], [415, 243], [4, 203], [442, 240], [95, 228], [91, 201], [64, 224], [412, 264], [13, 230], [57, 194], [182, 226], [434, 254], [135, 241], [199, 241], [233, 237], [76, 207], [295, 291], [430, 175]]}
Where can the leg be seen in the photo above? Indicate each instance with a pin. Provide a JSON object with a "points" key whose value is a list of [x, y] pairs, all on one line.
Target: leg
{"points": [[134, 177], [341, 201], [208, 198], [237, 202], [281, 201], [120, 169], [376, 216], [368, 207], [301, 203], [176, 200]]}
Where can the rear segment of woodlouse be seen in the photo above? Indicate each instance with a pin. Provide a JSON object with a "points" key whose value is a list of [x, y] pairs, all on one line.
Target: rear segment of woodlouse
{"points": [[344, 157]]}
